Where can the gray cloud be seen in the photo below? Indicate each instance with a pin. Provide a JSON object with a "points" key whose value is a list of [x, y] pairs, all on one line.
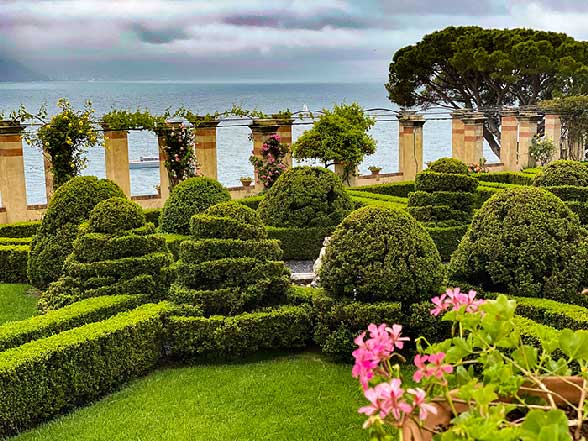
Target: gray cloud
{"points": [[158, 36]]}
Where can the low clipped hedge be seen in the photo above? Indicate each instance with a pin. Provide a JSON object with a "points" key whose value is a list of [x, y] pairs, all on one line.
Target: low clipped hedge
{"points": [[458, 201], [339, 321], [428, 213], [15, 240], [13, 263], [47, 377], [203, 226], [400, 189], [430, 181], [286, 327], [505, 177], [562, 172], [251, 201], [532, 333], [446, 238], [448, 165], [581, 209], [300, 243], [554, 314], [173, 242], [20, 229], [212, 249], [13, 334], [228, 273], [152, 215]]}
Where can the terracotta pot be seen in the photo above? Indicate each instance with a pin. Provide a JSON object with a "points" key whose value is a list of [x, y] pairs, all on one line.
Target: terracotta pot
{"points": [[375, 172], [569, 388], [246, 182]]}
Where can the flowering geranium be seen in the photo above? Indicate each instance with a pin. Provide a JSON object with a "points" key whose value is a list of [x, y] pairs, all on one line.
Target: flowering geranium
{"points": [[471, 382], [272, 163]]}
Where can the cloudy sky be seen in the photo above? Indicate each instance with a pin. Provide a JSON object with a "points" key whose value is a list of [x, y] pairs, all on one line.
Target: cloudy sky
{"points": [[243, 40]]}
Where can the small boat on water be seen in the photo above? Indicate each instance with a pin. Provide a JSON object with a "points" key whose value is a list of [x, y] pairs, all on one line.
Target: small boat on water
{"points": [[145, 162]]}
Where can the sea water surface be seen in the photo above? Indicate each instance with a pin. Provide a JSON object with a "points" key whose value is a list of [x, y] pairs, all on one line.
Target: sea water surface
{"points": [[233, 144]]}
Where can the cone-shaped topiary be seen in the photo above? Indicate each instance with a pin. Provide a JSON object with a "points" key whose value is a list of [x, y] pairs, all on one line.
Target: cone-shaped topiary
{"points": [[306, 197], [381, 254], [526, 242], [562, 172], [230, 266], [449, 165], [192, 196], [70, 206], [115, 252]]}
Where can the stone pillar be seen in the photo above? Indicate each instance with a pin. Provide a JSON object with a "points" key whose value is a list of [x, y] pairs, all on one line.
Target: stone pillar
{"points": [[261, 130], [116, 155], [47, 166], [13, 188], [527, 130], [473, 137], [457, 134], [164, 184], [410, 144], [285, 132], [509, 134], [553, 132], [351, 178], [205, 139]]}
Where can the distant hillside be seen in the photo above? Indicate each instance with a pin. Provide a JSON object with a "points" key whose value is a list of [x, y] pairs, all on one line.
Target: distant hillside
{"points": [[13, 71]]}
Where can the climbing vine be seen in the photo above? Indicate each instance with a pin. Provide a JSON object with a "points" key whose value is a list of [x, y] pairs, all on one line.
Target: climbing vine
{"points": [[272, 163]]}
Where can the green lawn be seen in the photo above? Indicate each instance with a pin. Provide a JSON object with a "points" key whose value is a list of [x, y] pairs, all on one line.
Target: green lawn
{"points": [[291, 397], [16, 303]]}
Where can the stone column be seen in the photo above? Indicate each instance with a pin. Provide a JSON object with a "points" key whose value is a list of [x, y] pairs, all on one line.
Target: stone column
{"points": [[164, 183], [509, 134], [13, 188], [351, 178], [205, 138], [457, 134], [116, 155], [261, 130], [553, 132], [527, 130], [285, 132], [47, 166], [410, 144], [473, 138]]}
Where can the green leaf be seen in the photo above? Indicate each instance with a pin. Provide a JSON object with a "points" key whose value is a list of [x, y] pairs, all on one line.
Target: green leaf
{"points": [[540, 425]]}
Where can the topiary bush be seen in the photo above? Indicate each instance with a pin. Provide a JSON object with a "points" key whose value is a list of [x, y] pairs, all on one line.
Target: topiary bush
{"points": [[306, 197], [562, 172], [524, 241], [70, 206], [188, 198], [449, 165], [381, 254], [116, 252], [230, 266]]}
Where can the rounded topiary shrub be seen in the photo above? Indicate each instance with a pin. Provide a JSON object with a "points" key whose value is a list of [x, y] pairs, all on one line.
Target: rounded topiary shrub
{"points": [[306, 197], [526, 242], [381, 254], [192, 196], [562, 172], [115, 215], [70, 206], [449, 165]]}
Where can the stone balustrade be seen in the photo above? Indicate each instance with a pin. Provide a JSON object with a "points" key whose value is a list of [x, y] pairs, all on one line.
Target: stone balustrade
{"points": [[518, 128]]}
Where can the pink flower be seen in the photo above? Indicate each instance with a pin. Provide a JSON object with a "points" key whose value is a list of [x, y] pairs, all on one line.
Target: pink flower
{"points": [[395, 337], [386, 398], [434, 368], [454, 299], [364, 366], [276, 137], [419, 401]]}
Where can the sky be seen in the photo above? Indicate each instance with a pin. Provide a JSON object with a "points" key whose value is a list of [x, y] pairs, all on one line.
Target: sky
{"points": [[248, 40]]}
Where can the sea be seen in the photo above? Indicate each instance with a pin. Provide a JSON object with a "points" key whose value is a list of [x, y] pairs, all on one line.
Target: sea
{"points": [[233, 144]]}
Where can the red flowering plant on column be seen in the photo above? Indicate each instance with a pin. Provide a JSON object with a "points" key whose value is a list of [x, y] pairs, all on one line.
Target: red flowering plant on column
{"points": [[272, 163], [485, 382], [179, 151]]}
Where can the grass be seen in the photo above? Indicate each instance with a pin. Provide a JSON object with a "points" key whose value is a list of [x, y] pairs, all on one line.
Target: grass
{"points": [[16, 303], [291, 397]]}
